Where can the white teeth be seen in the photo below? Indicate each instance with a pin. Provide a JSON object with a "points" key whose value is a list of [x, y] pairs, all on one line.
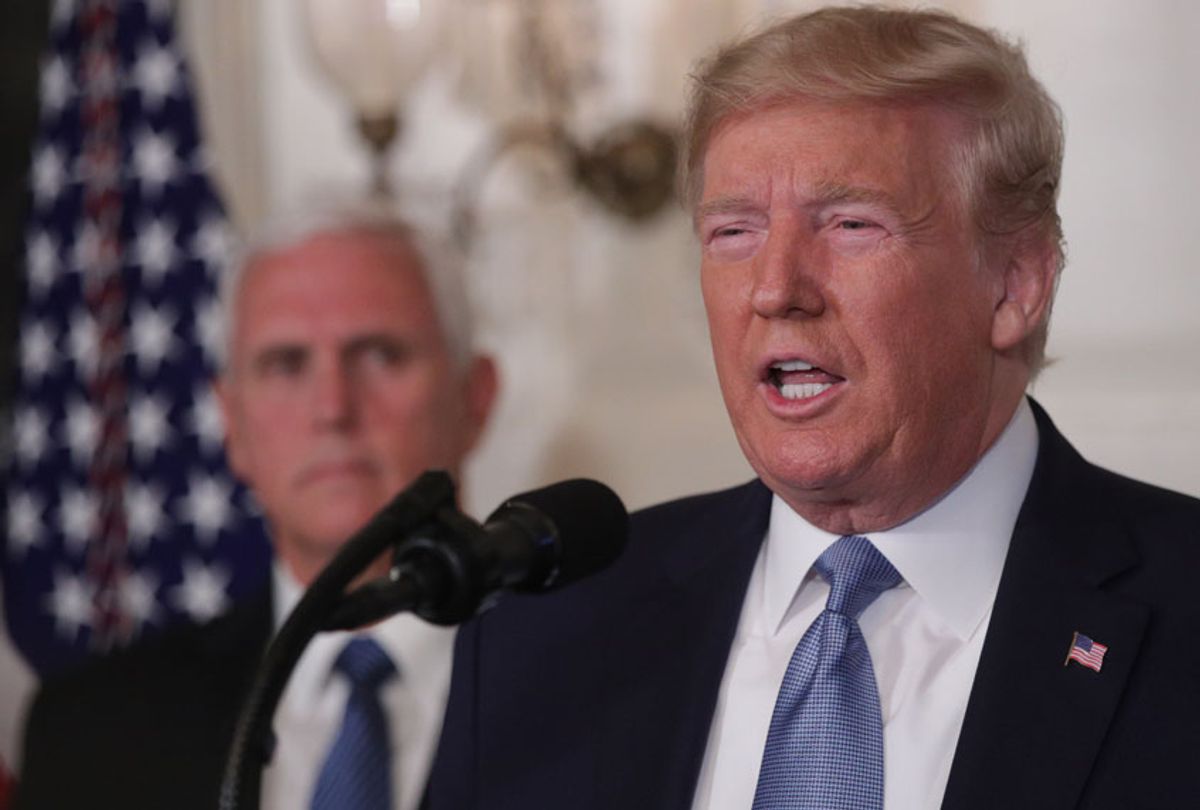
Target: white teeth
{"points": [[793, 365], [803, 390]]}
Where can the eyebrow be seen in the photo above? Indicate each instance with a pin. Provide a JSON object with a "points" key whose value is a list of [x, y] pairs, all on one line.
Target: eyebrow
{"points": [[277, 350], [825, 193], [721, 205], [832, 191]]}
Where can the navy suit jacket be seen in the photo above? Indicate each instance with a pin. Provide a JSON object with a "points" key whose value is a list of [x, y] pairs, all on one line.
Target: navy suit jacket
{"points": [[601, 695], [147, 728]]}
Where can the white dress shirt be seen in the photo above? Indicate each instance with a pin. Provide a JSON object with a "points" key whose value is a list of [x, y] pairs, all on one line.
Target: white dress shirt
{"points": [[924, 636], [310, 711]]}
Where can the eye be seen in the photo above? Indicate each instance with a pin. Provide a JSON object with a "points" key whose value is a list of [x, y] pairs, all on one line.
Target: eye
{"points": [[282, 361], [854, 225], [855, 231], [380, 352], [732, 243]]}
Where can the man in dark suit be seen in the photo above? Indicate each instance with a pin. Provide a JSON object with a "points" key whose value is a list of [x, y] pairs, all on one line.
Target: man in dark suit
{"points": [[928, 598], [350, 370]]}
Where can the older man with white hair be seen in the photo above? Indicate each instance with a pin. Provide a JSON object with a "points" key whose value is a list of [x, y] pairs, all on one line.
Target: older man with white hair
{"points": [[349, 370]]}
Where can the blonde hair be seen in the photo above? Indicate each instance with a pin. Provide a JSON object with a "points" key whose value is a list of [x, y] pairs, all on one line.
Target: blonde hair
{"points": [[1009, 164]]}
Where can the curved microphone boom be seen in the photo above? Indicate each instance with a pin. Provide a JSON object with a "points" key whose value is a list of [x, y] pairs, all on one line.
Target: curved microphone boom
{"points": [[453, 566], [446, 566]]}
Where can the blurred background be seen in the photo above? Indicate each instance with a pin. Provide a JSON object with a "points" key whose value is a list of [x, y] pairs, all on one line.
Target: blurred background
{"points": [[538, 131], [597, 319]]}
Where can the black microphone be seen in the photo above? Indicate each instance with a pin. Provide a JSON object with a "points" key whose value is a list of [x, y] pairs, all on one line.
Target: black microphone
{"points": [[452, 567]]}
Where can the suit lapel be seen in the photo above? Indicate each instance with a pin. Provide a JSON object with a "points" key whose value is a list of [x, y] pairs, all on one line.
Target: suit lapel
{"points": [[670, 670], [1033, 725]]}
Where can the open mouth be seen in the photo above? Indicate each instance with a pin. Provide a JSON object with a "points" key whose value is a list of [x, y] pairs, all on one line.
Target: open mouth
{"points": [[799, 379]]}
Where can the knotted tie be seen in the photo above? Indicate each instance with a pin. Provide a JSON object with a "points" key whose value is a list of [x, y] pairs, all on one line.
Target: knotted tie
{"points": [[825, 745], [357, 772]]}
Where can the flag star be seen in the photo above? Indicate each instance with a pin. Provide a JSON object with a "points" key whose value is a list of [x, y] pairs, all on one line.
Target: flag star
{"points": [[57, 86], [156, 74], [210, 330], [159, 10], [70, 603], [149, 427], [63, 13], [202, 162], [25, 526], [214, 242], [38, 354], [82, 339], [207, 505], [202, 592], [206, 421], [77, 513], [154, 160], [48, 174], [30, 435], [144, 513], [152, 336], [82, 431], [136, 597], [249, 505], [43, 263], [155, 250]]}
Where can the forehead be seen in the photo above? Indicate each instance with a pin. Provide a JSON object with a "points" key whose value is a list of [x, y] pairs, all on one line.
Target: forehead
{"points": [[333, 287], [804, 146]]}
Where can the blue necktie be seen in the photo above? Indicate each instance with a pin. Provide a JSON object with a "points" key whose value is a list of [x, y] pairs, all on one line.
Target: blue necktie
{"points": [[825, 746], [357, 772]]}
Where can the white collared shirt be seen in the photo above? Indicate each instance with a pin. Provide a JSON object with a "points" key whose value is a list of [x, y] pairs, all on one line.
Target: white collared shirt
{"points": [[924, 636], [310, 711]]}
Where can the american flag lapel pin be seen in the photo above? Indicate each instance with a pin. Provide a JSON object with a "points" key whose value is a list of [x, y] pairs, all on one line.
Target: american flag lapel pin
{"points": [[1085, 651]]}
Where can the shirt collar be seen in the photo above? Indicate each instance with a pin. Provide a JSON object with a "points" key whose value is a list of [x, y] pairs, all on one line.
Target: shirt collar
{"points": [[952, 554], [415, 646]]}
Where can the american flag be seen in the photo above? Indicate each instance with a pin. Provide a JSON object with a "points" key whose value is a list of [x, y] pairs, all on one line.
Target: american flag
{"points": [[121, 515], [1087, 652]]}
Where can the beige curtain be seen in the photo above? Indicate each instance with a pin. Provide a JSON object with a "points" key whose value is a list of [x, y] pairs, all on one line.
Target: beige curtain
{"points": [[221, 39]]}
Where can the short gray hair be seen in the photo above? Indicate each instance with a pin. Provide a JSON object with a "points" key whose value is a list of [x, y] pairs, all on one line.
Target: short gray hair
{"points": [[441, 264]]}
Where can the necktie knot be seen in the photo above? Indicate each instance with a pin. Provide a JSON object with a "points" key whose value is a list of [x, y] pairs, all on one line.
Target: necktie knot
{"points": [[857, 573], [365, 663]]}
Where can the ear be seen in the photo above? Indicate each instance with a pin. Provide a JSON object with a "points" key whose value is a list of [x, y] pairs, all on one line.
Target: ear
{"points": [[1023, 302], [234, 447], [480, 386]]}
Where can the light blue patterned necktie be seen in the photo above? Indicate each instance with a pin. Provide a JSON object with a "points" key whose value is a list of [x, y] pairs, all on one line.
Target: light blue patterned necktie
{"points": [[825, 746], [357, 772]]}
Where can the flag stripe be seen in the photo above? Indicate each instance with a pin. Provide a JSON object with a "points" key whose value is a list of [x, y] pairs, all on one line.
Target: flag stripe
{"points": [[1087, 652], [105, 298]]}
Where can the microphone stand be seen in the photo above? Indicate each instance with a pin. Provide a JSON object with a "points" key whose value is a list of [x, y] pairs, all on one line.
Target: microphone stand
{"points": [[325, 605]]}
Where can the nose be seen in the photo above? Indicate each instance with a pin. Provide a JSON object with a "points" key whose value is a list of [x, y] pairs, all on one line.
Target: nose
{"points": [[333, 396], [785, 280]]}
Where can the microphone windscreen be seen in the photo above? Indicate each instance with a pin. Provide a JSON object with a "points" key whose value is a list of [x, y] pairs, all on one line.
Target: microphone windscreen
{"points": [[590, 521]]}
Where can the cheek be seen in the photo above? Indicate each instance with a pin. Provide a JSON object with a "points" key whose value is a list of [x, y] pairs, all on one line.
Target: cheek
{"points": [[422, 415], [721, 305]]}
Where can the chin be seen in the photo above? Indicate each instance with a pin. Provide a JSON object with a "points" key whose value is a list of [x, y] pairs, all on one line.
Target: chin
{"points": [[802, 460]]}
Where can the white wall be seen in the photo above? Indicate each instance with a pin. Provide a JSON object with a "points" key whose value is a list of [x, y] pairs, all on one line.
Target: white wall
{"points": [[1127, 387], [599, 324]]}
